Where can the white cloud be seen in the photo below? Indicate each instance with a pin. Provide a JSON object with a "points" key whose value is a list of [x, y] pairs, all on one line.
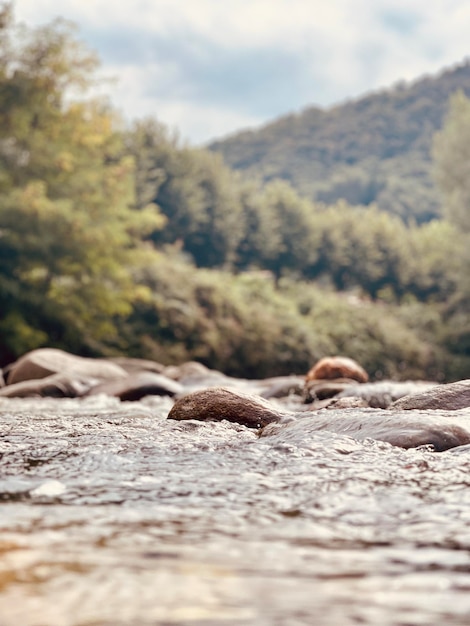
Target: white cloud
{"points": [[210, 67], [193, 121]]}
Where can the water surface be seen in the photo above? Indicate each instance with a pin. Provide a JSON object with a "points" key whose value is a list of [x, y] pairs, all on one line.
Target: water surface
{"points": [[112, 515]]}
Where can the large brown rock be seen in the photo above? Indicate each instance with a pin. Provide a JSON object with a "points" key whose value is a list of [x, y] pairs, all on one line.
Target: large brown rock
{"points": [[137, 386], [332, 367], [46, 361], [450, 397], [225, 404]]}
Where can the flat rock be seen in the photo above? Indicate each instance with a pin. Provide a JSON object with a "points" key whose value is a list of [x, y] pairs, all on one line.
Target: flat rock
{"points": [[321, 389], [43, 362], [449, 397], [225, 404], [352, 402], [54, 386], [188, 370], [283, 386], [137, 386], [133, 365], [380, 395], [404, 431]]}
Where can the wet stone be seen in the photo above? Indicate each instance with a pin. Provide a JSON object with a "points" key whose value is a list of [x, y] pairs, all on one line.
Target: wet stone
{"points": [[322, 389], [380, 395], [54, 386], [225, 404], [47, 361], [402, 430], [137, 386], [132, 365], [332, 367], [283, 386], [450, 397]]}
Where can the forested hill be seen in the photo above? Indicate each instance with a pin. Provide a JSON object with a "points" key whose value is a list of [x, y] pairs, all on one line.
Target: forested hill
{"points": [[376, 149]]}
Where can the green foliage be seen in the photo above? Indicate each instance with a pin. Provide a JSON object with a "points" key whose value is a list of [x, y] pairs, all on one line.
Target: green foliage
{"points": [[67, 233], [198, 195], [452, 162], [361, 247], [280, 234], [247, 326], [452, 170], [222, 221]]}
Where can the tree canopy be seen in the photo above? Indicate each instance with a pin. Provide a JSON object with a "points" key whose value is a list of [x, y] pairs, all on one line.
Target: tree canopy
{"points": [[67, 231]]}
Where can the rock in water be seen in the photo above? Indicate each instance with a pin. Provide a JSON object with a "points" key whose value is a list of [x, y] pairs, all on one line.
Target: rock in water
{"points": [[54, 386], [323, 388], [332, 367], [46, 361], [449, 397], [225, 404], [137, 386], [132, 365], [381, 394], [404, 431]]}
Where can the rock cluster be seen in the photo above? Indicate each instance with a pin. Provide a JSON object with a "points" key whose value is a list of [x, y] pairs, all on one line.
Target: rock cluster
{"points": [[401, 413], [53, 372]]}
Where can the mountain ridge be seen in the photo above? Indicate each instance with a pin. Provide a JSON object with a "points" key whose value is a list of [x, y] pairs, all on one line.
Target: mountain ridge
{"points": [[371, 149]]}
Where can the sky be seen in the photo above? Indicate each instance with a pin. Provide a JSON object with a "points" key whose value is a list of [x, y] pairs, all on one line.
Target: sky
{"points": [[209, 68]]}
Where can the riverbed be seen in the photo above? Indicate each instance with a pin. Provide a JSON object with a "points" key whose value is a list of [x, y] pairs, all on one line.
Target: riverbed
{"points": [[110, 514]]}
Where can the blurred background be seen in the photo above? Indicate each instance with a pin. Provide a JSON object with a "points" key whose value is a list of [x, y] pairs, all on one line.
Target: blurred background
{"points": [[253, 185]]}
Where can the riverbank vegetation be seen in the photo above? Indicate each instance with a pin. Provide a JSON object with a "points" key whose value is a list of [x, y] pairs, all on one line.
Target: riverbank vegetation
{"points": [[124, 240]]}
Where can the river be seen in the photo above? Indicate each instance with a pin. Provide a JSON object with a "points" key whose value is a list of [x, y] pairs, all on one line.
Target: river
{"points": [[110, 514]]}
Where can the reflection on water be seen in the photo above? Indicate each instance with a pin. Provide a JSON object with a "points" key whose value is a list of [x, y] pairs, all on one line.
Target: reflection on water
{"points": [[112, 515]]}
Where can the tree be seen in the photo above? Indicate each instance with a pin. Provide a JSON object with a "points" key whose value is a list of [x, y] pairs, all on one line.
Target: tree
{"points": [[199, 196], [362, 247], [451, 153], [452, 169], [292, 217], [68, 235]]}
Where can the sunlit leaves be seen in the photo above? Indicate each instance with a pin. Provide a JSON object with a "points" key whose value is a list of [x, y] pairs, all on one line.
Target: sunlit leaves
{"points": [[69, 231]]}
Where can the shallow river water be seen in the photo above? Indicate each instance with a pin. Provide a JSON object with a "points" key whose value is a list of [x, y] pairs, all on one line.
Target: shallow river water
{"points": [[112, 515]]}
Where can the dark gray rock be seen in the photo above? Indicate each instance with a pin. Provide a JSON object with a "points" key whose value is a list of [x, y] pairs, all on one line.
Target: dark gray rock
{"points": [[405, 431], [351, 402], [283, 386], [137, 386], [380, 395], [449, 397], [322, 389]]}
